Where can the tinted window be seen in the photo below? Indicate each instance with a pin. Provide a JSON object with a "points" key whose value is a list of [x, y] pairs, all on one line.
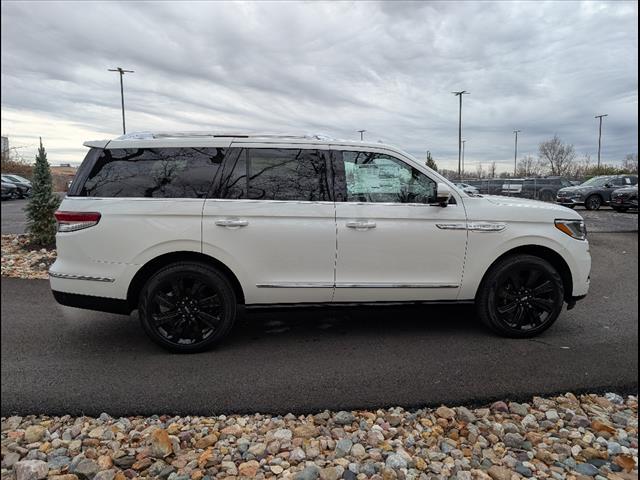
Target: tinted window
{"points": [[152, 172], [376, 177], [275, 174]]}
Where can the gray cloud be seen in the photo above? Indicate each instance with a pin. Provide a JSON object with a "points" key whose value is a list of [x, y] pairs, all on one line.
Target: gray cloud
{"points": [[389, 68]]}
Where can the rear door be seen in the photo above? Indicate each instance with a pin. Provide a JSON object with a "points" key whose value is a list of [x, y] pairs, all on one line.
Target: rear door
{"points": [[393, 244], [271, 219]]}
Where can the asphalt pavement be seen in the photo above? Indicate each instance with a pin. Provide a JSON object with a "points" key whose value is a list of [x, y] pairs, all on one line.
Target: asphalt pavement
{"points": [[59, 360]]}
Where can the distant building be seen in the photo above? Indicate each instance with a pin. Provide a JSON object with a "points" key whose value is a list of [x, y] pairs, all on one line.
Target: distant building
{"points": [[5, 145]]}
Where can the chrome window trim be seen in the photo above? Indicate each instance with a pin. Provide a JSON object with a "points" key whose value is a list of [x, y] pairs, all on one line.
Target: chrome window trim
{"points": [[355, 285]]}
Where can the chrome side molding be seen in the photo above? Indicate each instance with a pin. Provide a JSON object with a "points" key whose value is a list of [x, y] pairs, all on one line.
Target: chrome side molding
{"points": [[68, 276], [355, 285], [473, 226]]}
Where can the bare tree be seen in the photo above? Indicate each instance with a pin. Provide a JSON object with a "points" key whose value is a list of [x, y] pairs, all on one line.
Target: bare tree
{"points": [[492, 170], [630, 163], [479, 171], [557, 156], [529, 166]]}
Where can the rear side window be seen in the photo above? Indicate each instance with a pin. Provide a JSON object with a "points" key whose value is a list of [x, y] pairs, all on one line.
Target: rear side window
{"points": [[275, 174], [148, 172]]}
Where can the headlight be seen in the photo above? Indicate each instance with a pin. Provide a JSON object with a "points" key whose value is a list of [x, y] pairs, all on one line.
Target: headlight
{"points": [[574, 228]]}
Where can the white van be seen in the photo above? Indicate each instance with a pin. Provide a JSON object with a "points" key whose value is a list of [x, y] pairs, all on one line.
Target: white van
{"points": [[185, 227]]}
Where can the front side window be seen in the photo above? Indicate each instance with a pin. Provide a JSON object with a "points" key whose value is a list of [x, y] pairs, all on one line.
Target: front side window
{"points": [[275, 174], [152, 172], [379, 178]]}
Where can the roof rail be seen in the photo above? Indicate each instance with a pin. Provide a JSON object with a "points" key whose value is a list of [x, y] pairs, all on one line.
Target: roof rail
{"points": [[159, 135]]}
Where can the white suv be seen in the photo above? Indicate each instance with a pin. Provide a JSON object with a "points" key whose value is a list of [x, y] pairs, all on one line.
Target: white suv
{"points": [[186, 227]]}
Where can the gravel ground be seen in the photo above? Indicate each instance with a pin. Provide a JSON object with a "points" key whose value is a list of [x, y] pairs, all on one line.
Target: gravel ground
{"points": [[558, 438], [20, 260]]}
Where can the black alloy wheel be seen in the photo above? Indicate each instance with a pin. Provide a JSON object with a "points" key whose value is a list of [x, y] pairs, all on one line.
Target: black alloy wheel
{"points": [[187, 307], [521, 296], [594, 202]]}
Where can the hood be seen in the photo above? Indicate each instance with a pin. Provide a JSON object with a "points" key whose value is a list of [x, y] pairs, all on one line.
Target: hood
{"points": [[525, 203], [578, 188]]}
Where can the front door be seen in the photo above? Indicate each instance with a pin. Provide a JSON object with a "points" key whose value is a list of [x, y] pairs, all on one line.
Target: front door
{"points": [[393, 244], [271, 219]]}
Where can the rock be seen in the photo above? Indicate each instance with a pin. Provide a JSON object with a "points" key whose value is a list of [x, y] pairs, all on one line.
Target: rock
{"points": [[34, 433], [580, 421], [297, 455], [283, 435], [600, 426], [305, 431], [500, 407], [207, 441], [330, 473], [10, 459], [518, 409], [248, 469], [105, 475], [258, 450], [524, 471], [626, 462], [66, 476], [529, 421], [276, 469], [552, 415], [445, 412], [232, 430], [499, 473], [344, 418], [161, 444], [586, 469], [513, 440], [86, 468], [614, 398], [396, 461], [614, 448], [465, 415], [30, 469], [343, 446], [358, 451], [310, 472]]}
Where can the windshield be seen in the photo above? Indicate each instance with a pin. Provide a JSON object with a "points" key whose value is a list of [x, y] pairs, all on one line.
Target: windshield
{"points": [[597, 181]]}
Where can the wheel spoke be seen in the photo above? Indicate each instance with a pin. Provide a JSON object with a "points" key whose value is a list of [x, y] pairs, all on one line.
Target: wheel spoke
{"points": [[208, 302], [507, 308], [542, 304], [518, 317], [166, 317], [533, 277], [164, 301], [196, 287], [543, 288], [210, 320], [177, 285]]}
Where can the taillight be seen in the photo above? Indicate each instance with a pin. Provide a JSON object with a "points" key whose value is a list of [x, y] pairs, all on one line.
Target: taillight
{"points": [[73, 221]]}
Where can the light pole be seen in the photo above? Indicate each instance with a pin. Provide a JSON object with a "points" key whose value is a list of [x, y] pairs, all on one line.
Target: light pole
{"points": [[600, 135], [361, 134], [460, 94], [515, 154], [121, 72], [463, 142]]}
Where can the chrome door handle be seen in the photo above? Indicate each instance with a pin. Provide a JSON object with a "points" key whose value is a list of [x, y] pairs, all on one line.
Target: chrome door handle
{"points": [[231, 223], [361, 225]]}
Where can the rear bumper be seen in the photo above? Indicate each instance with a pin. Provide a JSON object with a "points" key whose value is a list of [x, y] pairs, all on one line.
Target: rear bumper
{"points": [[89, 302]]}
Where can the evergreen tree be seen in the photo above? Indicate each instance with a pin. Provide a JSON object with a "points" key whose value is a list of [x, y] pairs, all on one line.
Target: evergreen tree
{"points": [[431, 163], [41, 223]]}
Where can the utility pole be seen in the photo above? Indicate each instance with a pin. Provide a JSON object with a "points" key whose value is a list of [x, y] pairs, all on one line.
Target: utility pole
{"points": [[515, 154], [463, 142], [460, 94], [121, 72], [361, 134], [600, 135]]}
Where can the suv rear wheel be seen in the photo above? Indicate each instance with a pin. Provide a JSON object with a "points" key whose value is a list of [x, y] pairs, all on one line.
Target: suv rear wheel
{"points": [[521, 296], [187, 307], [594, 202]]}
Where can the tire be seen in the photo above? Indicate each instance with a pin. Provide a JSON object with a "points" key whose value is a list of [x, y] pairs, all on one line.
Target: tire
{"points": [[512, 313], [594, 202], [187, 307], [546, 196], [620, 209]]}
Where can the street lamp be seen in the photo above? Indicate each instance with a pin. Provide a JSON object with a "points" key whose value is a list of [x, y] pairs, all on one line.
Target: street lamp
{"points": [[460, 94], [463, 142], [600, 135], [361, 134], [515, 154], [121, 72]]}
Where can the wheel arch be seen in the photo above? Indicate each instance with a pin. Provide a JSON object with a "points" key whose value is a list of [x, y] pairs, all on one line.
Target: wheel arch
{"points": [[153, 265], [545, 253]]}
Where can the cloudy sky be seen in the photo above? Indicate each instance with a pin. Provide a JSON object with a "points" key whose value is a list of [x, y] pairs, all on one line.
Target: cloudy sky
{"points": [[334, 68]]}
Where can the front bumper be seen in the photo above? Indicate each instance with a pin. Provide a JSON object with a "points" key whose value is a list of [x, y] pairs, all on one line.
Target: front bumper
{"points": [[624, 202], [570, 201]]}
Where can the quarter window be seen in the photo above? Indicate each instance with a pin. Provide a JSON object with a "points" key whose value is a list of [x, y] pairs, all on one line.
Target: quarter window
{"points": [[152, 172], [380, 178]]}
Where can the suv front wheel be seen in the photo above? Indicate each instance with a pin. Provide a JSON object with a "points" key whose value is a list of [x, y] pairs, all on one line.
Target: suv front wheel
{"points": [[521, 296], [187, 307]]}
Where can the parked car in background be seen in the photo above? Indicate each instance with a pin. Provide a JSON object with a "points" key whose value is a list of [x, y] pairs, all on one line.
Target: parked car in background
{"points": [[512, 186], [544, 189], [490, 186], [23, 185], [468, 189], [595, 192], [187, 227], [624, 198], [9, 190]]}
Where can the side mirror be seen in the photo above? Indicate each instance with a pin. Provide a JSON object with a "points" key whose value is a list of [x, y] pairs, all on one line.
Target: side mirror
{"points": [[443, 194]]}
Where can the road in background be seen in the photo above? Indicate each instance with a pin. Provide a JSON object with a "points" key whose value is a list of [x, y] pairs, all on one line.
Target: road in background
{"points": [[59, 360]]}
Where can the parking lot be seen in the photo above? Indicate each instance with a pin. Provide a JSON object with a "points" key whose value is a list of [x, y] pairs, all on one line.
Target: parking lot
{"points": [[603, 220]]}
